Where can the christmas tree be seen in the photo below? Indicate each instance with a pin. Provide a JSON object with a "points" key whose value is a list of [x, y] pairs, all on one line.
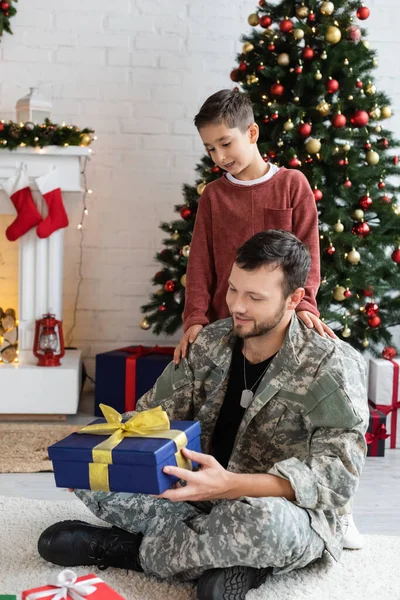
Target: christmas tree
{"points": [[308, 70]]}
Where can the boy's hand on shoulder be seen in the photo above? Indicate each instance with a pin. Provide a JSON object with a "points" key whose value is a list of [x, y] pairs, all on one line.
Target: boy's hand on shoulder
{"points": [[188, 338], [312, 321]]}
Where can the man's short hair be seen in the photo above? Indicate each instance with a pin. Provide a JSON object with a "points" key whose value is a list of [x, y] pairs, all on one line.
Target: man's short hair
{"points": [[231, 107], [279, 248]]}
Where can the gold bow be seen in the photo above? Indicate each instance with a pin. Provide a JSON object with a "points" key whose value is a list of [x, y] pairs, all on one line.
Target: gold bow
{"points": [[153, 423]]}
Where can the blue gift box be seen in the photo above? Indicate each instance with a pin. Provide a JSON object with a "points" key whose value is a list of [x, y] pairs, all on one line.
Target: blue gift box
{"points": [[123, 376], [137, 461]]}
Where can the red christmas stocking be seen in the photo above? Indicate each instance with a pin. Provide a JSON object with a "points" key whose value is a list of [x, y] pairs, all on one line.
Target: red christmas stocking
{"points": [[17, 188], [57, 217]]}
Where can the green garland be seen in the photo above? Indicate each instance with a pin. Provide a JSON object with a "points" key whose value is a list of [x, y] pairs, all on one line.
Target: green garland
{"points": [[7, 10], [15, 135]]}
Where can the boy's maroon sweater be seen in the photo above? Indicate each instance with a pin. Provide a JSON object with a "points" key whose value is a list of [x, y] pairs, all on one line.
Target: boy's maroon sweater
{"points": [[228, 215]]}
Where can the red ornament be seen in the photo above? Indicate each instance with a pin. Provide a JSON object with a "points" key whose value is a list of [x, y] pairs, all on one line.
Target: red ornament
{"points": [[185, 212], [261, 3], [383, 143], [243, 67], [371, 308], [381, 185], [169, 286], [396, 256], [318, 195], [389, 353], [286, 26], [374, 321], [275, 116], [265, 158], [236, 75], [162, 308], [331, 250], [347, 293], [395, 160], [369, 292], [272, 154], [260, 68], [308, 53], [347, 183], [365, 202], [360, 118], [363, 229], [277, 89], [363, 13], [332, 85], [4, 6], [309, 160], [304, 129], [294, 162], [339, 120], [354, 33], [368, 146], [1, 126], [266, 21], [266, 119], [311, 17], [215, 169], [385, 199], [271, 47], [298, 69], [359, 84], [341, 162]]}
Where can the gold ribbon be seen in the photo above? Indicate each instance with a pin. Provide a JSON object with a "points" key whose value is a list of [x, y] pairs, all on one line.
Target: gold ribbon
{"points": [[152, 423]]}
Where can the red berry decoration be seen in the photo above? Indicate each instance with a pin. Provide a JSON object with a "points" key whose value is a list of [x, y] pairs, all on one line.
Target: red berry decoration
{"points": [[371, 308], [332, 85], [374, 322], [363, 13], [339, 121], [308, 53], [294, 162], [381, 185], [347, 293], [395, 160], [396, 256], [169, 286], [318, 195], [365, 202], [185, 212], [347, 183], [266, 21], [162, 308], [304, 129], [360, 118], [331, 250], [386, 199], [286, 26], [277, 89], [243, 67], [389, 353]]}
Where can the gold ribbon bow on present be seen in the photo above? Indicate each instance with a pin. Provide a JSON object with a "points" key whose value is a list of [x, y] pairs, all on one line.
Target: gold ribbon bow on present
{"points": [[152, 423]]}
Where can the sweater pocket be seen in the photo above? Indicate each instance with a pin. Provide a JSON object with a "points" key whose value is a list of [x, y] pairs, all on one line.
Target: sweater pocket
{"points": [[278, 218]]}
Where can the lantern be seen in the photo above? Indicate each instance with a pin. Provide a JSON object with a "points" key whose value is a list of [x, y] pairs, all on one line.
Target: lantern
{"points": [[48, 346], [33, 108]]}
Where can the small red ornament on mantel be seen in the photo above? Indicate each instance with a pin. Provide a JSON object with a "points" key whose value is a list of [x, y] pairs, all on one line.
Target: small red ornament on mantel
{"points": [[374, 322], [389, 353], [48, 346]]}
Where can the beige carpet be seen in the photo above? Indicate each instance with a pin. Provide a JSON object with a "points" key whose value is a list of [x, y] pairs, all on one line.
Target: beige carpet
{"points": [[370, 574], [23, 446]]}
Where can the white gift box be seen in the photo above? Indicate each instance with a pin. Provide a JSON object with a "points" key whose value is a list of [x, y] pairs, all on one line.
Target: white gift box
{"points": [[381, 392]]}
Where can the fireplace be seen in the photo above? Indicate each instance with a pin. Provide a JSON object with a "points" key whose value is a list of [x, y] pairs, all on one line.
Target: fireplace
{"points": [[26, 388]]}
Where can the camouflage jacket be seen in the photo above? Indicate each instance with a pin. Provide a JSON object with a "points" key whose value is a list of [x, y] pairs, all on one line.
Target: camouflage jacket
{"points": [[306, 422]]}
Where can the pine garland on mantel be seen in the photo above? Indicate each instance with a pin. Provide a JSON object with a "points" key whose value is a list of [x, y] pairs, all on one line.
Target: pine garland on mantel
{"points": [[18, 135]]}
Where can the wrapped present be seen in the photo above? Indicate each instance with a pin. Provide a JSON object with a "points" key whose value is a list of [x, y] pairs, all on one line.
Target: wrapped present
{"points": [[384, 392], [118, 455], [70, 587], [123, 376], [377, 433]]}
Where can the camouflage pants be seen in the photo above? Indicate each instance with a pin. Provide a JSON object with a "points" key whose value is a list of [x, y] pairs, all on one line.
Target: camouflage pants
{"points": [[185, 539]]}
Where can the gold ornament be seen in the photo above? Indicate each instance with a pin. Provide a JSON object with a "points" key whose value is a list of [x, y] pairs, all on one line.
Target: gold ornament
{"points": [[386, 112], [365, 343], [375, 62], [372, 157], [354, 257], [247, 47], [370, 89], [376, 113], [324, 108], [183, 280], [350, 97], [346, 332], [200, 188], [346, 147], [378, 129], [366, 44], [298, 33], [283, 59], [358, 214], [327, 8], [175, 236], [302, 12], [253, 20], [313, 146], [144, 324], [333, 35], [296, 99], [338, 293], [318, 75], [288, 125], [159, 292], [338, 227], [186, 251], [86, 139], [324, 55], [251, 79]]}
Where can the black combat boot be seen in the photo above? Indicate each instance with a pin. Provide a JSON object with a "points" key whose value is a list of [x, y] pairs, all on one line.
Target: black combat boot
{"points": [[75, 543], [231, 583]]}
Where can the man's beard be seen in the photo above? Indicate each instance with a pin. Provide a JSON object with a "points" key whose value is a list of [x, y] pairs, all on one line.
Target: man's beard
{"points": [[262, 328]]}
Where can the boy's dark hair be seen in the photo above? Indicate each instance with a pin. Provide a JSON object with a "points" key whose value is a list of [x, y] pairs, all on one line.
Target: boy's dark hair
{"points": [[279, 248], [231, 107]]}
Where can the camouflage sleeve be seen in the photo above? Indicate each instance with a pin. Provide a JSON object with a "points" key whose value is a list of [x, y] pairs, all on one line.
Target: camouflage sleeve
{"points": [[173, 391], [336, 426]]}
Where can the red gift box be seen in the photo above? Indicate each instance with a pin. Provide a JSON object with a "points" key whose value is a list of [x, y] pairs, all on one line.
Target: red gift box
{"points": [[71, 587]]}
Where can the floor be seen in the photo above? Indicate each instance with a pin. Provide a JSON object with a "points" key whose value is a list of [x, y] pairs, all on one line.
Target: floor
{"points": [[376, 504]]}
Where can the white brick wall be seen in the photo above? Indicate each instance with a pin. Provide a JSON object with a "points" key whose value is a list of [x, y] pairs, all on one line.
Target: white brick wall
{"points": [[137, 71]]}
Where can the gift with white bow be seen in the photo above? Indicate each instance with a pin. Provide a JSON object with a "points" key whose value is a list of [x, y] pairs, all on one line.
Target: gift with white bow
{"points": [[70, 587]]}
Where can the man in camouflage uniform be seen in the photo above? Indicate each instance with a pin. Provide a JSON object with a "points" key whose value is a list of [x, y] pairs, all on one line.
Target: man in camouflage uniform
{"points": [[294, 461]]}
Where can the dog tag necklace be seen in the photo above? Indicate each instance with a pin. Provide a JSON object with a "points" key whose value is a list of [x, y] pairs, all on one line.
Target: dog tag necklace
{"points": [[248, 394]]}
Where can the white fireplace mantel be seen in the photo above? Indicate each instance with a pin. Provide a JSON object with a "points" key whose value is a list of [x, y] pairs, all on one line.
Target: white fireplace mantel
{"points": [[35, 389]]}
